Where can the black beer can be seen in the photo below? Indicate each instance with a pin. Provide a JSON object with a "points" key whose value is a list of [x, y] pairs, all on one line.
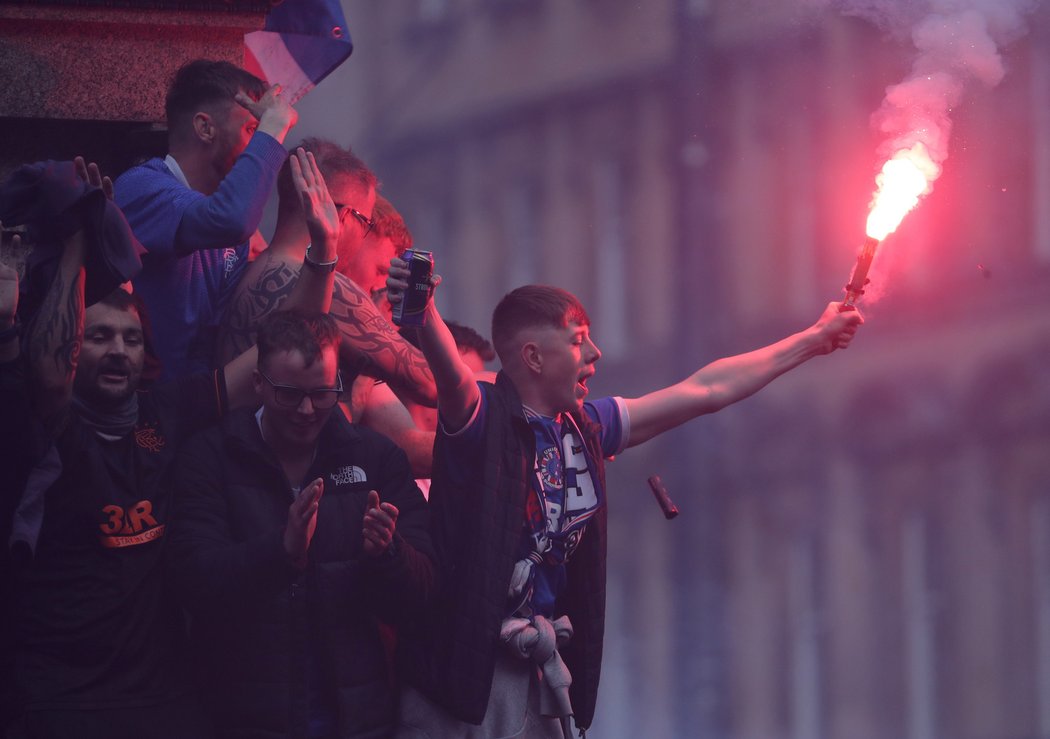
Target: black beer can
{"points": [[411, 311]]}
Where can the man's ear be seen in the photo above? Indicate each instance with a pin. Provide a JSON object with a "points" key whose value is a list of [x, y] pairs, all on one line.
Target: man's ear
{"points": [[204, 127], [531, 356]]}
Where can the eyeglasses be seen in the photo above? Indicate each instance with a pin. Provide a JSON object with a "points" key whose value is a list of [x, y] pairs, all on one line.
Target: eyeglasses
{"points": [[368, 223], [290, 396]]}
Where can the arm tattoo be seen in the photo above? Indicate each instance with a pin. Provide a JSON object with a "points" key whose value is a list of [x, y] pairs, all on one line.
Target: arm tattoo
{"points": [[57, 333], [367, 334], [260, 293]]}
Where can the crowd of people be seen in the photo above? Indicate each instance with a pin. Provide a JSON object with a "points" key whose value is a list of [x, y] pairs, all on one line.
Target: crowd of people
{"points": [[238, 502]]}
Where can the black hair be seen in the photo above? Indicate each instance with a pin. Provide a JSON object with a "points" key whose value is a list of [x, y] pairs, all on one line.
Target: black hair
{"points": [[286, 331], [202, 83]]}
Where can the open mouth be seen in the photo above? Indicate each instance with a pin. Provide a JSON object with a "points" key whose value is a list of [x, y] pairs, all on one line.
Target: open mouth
{"points": [[113, 376]]}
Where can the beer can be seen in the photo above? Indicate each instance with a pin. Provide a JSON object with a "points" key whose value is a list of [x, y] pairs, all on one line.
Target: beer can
{"points": [[411, 311]]}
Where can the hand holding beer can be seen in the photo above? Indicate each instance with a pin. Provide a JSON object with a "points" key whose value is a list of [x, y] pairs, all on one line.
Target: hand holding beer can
{"points": [[412, 309]]}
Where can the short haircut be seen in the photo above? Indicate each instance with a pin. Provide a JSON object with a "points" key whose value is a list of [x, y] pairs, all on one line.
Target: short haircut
{"points": [[285, 331], [337, 165], [467, 339], [390, 224], [533, 306], [121, 299], [202, 83]]}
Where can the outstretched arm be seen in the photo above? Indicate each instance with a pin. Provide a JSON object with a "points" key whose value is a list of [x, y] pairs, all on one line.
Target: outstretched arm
{"points": [[725, 381], [457, 390]]}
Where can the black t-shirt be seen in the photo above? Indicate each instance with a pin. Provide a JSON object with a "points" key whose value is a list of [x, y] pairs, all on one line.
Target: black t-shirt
{"points": [[94, 624]]}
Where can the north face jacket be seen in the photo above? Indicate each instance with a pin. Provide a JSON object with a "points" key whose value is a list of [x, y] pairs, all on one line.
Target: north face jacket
{"points": [[270, 640]]}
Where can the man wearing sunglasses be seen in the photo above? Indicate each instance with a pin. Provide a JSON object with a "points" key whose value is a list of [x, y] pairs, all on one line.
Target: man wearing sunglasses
{"points": [[296, 535], [369, 343]]}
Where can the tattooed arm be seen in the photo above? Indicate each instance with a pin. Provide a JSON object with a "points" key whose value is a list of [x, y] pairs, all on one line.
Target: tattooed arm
{"points": [[271, 282], [367, 334], [265, 286], [55, 335]]}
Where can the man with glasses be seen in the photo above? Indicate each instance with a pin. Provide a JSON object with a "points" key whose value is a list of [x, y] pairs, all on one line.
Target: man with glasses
{"points": [[296, 535], [387, 238], [369, 343], [367, 222]]}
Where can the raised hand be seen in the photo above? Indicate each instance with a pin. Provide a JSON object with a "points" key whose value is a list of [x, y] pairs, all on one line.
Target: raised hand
{"points": [[837, 327], [379, 525], [276, 117], [322, 217], [302, 521], [90, 174], [397, 281]]}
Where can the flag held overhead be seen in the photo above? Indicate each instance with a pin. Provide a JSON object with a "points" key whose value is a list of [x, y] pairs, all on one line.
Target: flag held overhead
{"points": [[302, 43]]}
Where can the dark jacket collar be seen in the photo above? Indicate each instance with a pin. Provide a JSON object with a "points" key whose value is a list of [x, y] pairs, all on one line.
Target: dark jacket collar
{"points": [[510, 393]]}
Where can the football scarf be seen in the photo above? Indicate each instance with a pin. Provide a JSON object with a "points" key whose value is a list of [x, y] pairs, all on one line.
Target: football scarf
{"points": [[564, 497]]}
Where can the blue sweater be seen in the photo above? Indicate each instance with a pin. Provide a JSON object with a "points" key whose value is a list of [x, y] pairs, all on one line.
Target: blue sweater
{"points": [[197, 247]]}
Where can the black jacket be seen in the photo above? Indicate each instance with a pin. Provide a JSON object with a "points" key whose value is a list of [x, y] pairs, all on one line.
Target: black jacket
{"points": [[268, 636], [477, 530]]}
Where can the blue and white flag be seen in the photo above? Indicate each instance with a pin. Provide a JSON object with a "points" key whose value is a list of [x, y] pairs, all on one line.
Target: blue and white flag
{"points": [[302, 43]]}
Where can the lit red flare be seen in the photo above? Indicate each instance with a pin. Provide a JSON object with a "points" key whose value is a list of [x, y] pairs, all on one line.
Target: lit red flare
{"points": [[857, 280], [904, 179]]}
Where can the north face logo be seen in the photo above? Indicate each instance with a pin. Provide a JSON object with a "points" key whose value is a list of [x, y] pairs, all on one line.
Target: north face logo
{"points": [[348, 474]]}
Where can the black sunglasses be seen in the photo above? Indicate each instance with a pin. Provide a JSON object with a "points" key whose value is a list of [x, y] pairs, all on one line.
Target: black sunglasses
{"points": [[368, 223], [290, 396]]}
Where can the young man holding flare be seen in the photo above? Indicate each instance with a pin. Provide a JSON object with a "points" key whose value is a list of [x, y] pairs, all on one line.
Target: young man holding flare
{"points": [[513, 644]]}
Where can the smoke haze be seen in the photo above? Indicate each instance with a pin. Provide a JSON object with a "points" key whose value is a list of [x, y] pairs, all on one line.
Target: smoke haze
{"points": [[957, 43]]}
